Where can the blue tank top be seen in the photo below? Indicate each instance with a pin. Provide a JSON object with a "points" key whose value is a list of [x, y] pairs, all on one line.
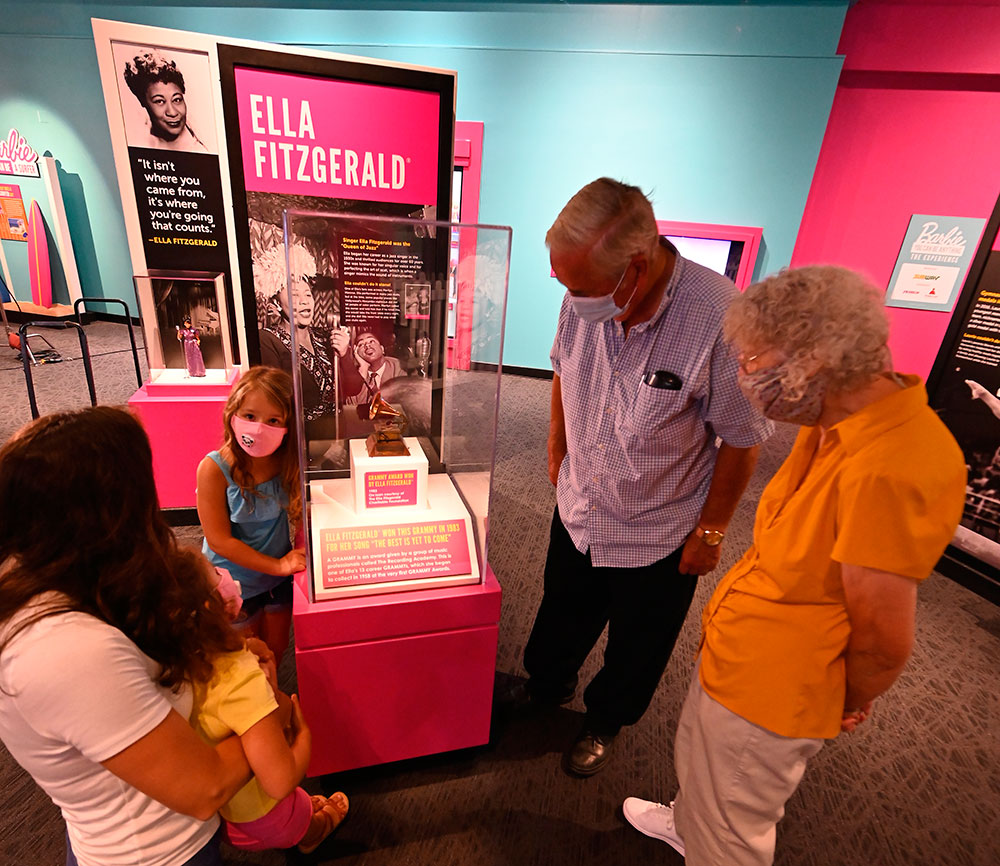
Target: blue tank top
{"points": [[260, 523]]}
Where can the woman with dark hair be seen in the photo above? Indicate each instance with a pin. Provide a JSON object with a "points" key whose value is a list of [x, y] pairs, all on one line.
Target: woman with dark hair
{"points": [[104, 625], [159, 86]]}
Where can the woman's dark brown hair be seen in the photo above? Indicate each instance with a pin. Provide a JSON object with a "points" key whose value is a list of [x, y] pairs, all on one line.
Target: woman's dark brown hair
{"points": [[79, 515]]}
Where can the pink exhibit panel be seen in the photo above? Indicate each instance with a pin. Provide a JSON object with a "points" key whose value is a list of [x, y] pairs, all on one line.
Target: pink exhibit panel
{"points": [[389, 677], [465, 208], [910, 132], [872, 176], [292, 143]]}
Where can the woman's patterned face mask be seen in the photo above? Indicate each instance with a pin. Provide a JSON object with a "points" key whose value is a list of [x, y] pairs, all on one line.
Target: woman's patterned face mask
{"points": [[765, 389]]}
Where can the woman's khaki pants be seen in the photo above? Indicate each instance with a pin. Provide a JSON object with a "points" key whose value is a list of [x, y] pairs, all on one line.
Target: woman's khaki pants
{"points": [[735, 779]]}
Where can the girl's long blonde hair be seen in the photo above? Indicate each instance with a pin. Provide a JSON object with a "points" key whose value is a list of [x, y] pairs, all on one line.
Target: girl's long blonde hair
{"points": [[276, 385]]}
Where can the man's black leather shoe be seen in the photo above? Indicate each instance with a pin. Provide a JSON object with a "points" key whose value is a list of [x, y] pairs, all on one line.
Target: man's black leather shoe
{"points": [[520, 697], [589, 753]]}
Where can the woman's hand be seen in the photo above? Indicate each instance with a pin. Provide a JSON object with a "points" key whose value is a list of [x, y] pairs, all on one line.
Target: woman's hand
{"points": [[853, 718]]}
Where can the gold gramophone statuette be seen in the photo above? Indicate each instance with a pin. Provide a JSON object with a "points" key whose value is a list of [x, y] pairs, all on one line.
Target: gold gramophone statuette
{"points": [[387, 440]]}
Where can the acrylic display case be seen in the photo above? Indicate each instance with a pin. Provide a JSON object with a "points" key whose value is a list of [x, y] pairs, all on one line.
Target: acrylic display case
{"points": [[186, 329], [370, 297]]}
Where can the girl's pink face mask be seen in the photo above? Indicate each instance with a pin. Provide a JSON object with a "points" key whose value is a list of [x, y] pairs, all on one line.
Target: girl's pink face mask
{"points": [[257, 439]]}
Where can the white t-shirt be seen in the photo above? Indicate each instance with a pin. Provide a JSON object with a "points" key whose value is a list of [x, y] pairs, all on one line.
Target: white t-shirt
{"points": [[75, 692]]}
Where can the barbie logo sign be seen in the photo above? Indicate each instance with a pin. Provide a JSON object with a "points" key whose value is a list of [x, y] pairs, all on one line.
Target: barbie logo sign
{"points": [[17, 156], [933, 243]]}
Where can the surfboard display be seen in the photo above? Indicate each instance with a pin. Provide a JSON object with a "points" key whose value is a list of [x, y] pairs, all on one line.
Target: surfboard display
{"points": [[39, 269]]}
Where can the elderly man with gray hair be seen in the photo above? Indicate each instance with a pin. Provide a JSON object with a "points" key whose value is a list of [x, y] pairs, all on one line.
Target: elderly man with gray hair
{"points": [[651, 444]]}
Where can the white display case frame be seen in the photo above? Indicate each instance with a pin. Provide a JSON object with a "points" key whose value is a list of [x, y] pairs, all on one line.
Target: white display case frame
{"points": [[434, 533], [167, 295]]}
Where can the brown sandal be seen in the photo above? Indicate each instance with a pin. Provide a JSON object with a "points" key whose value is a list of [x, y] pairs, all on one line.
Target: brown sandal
{"points": [[328, 815]]}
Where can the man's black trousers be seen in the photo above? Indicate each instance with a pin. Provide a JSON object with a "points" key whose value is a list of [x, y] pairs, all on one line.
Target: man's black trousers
{"points": [[644, 609]]}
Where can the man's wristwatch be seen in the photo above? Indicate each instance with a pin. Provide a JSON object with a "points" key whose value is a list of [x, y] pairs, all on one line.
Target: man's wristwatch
{"points": [[711, 537]]}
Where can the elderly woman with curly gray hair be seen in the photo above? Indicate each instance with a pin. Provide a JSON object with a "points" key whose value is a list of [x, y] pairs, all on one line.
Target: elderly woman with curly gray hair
{"points": [[816, 620]]}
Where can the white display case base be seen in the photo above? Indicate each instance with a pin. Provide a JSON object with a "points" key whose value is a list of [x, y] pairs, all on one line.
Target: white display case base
{"points": [[174, 376], [380, 550], [381, 483], [475, 490]]}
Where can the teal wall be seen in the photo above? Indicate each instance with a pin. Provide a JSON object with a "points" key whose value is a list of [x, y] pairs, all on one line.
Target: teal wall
{"points": [[717, 109], [50, 91]]}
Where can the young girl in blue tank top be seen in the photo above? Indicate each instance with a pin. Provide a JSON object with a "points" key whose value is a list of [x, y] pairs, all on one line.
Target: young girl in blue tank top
{"points": [[249, 503]]}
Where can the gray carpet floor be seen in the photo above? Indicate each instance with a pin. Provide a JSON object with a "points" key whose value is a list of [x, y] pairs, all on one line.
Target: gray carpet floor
{"points": [[918, 784]]}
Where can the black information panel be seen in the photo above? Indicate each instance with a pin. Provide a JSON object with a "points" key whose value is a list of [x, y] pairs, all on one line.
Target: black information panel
{"points": [[179, 199], [178, 196], [964, 389]]}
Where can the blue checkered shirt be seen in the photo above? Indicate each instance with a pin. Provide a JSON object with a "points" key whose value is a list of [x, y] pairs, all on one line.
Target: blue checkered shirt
{"points": [[640, 459]]}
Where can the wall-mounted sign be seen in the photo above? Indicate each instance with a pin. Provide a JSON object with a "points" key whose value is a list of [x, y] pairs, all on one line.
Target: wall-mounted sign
{"points": [[165, 99], [933, 262], [17, 156], [13, 220]]}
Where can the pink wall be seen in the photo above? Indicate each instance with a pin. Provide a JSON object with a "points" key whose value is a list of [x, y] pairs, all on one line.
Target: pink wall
{"points": [[914, 128]]}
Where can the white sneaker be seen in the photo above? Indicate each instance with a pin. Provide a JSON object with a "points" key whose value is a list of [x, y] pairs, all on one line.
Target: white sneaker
{"points": [[653, 819]]}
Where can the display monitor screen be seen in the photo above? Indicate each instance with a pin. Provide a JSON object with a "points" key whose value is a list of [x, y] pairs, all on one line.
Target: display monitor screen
{"points": [[718, 254], [726, 249]]}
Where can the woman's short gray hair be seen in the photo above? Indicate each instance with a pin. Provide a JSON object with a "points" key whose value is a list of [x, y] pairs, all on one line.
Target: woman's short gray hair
{"points": [[820, 317], [613, 219]]}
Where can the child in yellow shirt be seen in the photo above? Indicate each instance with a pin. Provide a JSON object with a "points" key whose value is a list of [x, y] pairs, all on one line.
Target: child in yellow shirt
{"points": [[270, 811]]}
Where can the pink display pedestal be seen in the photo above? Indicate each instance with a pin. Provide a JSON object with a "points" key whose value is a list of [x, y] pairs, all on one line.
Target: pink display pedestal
{"points": [[183, 423], [388, 677]]}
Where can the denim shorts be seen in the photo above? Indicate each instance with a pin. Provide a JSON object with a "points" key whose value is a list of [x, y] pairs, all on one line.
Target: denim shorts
{"points": [[275, 599]]}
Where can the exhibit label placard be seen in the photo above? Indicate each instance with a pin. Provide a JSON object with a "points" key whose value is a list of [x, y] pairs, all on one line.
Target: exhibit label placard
{"points": [[353, 556], [933, 261], [179, 199], [13, 219], [397, 487]]}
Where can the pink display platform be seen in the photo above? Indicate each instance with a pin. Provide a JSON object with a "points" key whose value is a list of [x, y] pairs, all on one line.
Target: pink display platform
{"points": [[388, 677], [184, 389], [183, 426]]}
